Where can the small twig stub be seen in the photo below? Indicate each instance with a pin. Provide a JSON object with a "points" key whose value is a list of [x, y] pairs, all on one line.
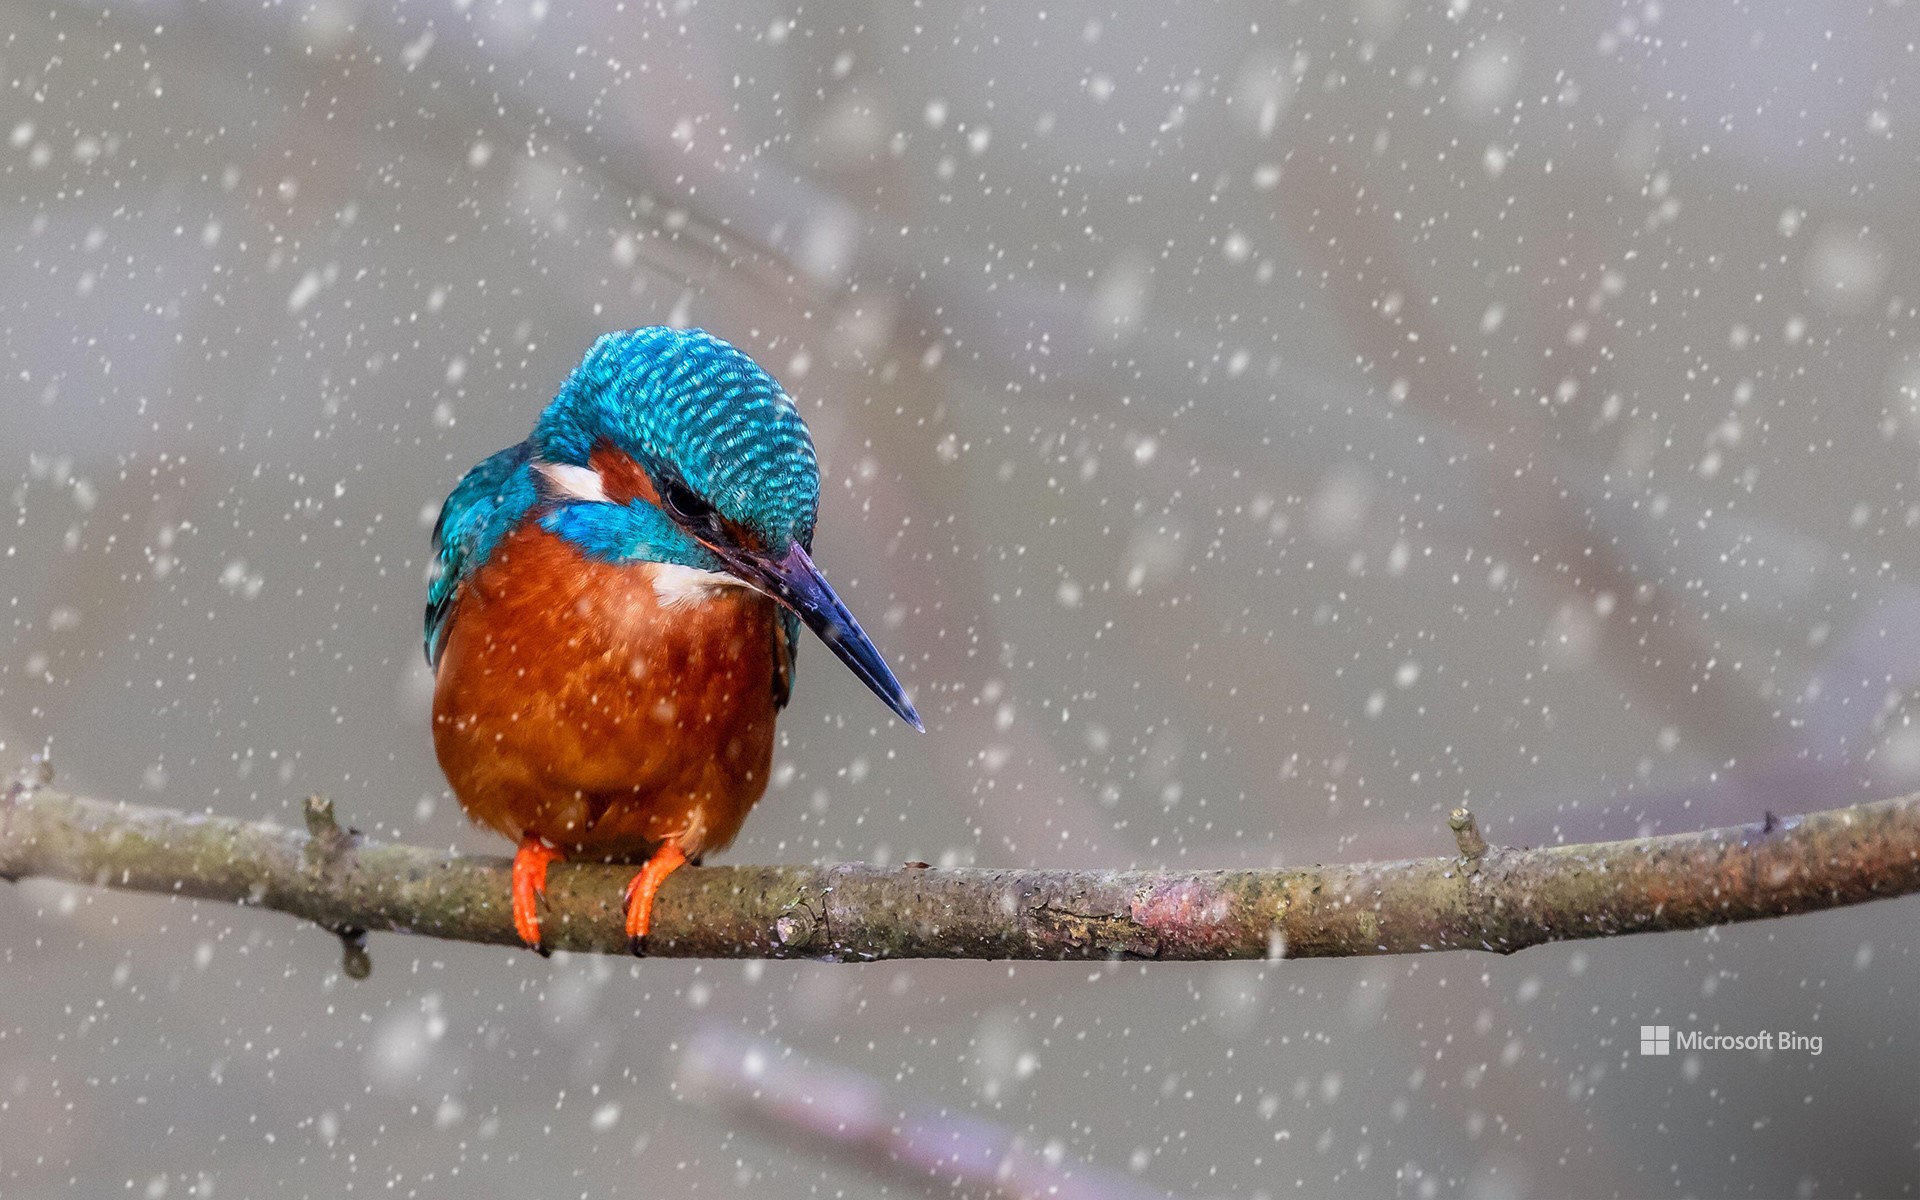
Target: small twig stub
{"points": [[1466, 832]]}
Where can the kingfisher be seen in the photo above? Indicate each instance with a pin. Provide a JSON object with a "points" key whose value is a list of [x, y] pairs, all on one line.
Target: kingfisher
{"points": [[613, 611]]}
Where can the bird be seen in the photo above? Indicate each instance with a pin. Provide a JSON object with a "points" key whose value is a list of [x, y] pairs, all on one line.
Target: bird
{"points": [[613, 611]]}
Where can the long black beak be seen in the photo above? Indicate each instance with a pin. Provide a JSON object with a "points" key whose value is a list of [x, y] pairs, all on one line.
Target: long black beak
{"points": [[794, 581]]}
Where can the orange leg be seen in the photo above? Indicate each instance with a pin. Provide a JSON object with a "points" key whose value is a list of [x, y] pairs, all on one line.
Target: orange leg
{"points": [[530, 887], [645, 886]]}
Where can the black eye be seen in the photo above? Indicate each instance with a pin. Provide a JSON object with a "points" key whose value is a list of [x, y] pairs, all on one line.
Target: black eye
{"points": [[686, 505]]}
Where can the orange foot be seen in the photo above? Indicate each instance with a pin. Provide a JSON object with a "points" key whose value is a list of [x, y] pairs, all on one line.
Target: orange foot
{"points": [[530, 887], [645, 886]]}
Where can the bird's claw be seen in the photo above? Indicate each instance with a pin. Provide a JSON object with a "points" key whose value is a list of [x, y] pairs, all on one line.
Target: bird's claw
{"points": [[641, 891], [529, 888]]}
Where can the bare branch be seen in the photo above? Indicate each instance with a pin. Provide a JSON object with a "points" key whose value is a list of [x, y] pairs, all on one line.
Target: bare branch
{"points": [[1493, 898]]}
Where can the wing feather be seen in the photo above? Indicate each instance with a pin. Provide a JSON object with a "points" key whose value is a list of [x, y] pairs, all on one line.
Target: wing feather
{"points": [[786, 647], [487, 502]]}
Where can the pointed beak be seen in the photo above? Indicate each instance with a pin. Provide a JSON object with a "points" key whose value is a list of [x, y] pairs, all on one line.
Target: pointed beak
{"points": [[794, 581]]}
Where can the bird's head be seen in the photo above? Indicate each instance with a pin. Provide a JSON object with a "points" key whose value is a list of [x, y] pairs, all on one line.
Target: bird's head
{"points": [[674, 446]]}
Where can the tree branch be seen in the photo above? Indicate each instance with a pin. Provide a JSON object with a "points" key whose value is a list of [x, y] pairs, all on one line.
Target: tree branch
{"points": [[1493, 898]]}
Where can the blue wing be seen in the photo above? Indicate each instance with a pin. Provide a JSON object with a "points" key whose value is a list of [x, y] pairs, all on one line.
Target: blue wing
{"points": [[490, 500]]}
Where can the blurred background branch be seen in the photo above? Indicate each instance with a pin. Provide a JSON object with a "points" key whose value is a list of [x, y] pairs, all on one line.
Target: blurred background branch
{"points": [[765, 1086]]}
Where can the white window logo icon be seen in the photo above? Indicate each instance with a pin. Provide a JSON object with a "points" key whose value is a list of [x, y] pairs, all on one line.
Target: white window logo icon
{"points": [[1654, 1039]]}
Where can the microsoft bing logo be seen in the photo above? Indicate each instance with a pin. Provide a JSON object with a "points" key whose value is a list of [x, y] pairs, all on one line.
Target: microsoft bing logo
{"points": [[1661, 1040]]}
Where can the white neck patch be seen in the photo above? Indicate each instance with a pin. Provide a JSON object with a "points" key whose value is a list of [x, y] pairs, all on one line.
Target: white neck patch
{"points": [[579, 483]]}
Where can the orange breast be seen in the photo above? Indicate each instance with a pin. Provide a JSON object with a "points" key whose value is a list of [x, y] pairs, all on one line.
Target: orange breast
{"points": [[572, 703]]}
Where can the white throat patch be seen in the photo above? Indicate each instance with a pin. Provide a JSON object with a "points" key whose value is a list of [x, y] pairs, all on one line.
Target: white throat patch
{"points": [[675, 585]]}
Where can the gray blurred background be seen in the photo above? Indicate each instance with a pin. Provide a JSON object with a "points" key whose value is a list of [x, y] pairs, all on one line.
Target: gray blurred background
{"points": [[1251, 430]]}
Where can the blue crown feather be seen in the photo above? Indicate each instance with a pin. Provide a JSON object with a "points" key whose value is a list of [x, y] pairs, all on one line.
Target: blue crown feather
{"points": [[686, 404]]}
